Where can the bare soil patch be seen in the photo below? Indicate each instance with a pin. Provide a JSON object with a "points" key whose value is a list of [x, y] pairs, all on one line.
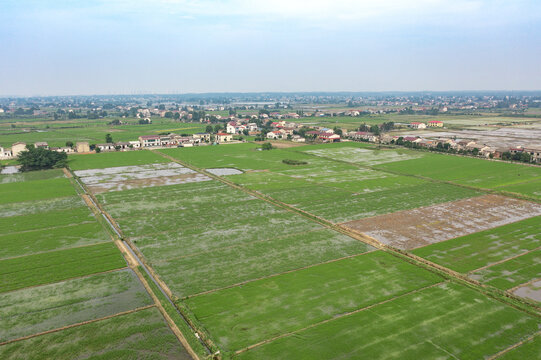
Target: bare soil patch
{"points": [[410, 229]]}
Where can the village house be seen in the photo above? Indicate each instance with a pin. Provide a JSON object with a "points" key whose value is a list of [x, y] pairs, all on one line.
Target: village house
{"points": [[362, 135], [291, 116], [274, 135], [106, 147], [41, 144], [149, 141], [5, 153], [223, 137], [326, 137], [486, 151], [168, 140], [17, 148], [411, 138], [122, 145], [435, 123], [82, 147], [417, 125], [135, 144], [201, 137], [535, 154]]}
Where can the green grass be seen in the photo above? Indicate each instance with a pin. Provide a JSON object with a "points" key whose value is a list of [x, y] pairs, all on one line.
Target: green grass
{"points": [[46, 268], [139, 335], [446, 321], [35, 190], [32, 175], [93, 131], [470, 252], [15, 224], [113, 159], [241, 156], [530, 188], [207, 235], [38, 309], [231, 265], [341, 206], [528, 350], [215, 235], [513, 272], [36, 241], [40, 206], [365, 156], [466, 171], [244, 315]]}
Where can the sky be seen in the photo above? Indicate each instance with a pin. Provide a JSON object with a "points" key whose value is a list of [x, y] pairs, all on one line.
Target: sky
{"points": [[71, 47]]}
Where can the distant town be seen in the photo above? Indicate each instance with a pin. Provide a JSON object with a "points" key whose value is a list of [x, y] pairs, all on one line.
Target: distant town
{"points": [[418, 120]]}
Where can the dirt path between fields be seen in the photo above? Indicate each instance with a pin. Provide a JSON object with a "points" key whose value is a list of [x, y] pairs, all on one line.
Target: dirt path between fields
{"points": [[67, 173]]}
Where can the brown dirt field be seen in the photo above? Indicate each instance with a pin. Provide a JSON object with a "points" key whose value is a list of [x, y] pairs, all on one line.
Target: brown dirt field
{"points": [[141, 183], [410, 229]]}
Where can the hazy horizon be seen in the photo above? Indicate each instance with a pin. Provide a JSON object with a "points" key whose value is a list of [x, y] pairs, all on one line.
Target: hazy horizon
{"points": [[119, 47]]}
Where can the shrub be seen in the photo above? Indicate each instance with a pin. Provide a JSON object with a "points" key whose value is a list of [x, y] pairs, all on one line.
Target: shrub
{"points": [[294, 162]]}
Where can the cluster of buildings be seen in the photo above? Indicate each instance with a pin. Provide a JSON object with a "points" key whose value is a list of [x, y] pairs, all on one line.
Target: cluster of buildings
{"points": [[421, 125], [170, 140], [444, 143], [143, 142], [18, 147]]}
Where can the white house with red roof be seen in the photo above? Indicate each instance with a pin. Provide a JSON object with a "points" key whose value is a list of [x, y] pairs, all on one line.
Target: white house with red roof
{"points": [[435, 123]]}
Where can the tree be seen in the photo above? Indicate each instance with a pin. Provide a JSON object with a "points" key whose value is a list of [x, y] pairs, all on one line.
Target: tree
{"points": [[169, 114], [217, 128], [176, 116], [374, 129], [108, 138], [40, 158], [69, 144], [337, 131], [266, 146], [525, 157], [208, 129]]}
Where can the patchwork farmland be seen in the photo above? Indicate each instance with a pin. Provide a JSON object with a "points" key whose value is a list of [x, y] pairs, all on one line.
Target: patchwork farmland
{"points": [[230, 252], [65, 288]]}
